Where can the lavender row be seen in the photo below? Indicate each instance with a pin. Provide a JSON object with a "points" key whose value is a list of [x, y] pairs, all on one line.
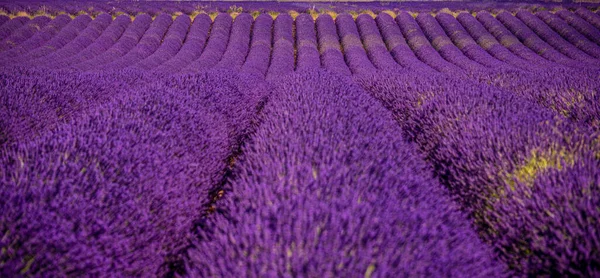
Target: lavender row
{"points": [[283, 56], [171, 43], [82, 41], [314, 195], [589, 16], [239, 43], [569, 33], [397, 45], [554, 39], [422, 48], [531, 40], [34, 101], [192, 46], [150, 41], [63, 37], [528, 178], [116, 190], [374, 44], [332, 57], [216, 45], [259, 56], [37, 40], [24, 32], [353, 48], [127, 41], [512, 43], [581, 25], [444, 45], [465, 42], [306, 43], [490, 44], [7, 29], [106, 40]]}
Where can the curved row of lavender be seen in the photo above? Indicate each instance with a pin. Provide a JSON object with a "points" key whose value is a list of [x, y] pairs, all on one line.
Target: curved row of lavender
{"points": [[529, 179], [118, 134], [327, 186], [106, 173]]}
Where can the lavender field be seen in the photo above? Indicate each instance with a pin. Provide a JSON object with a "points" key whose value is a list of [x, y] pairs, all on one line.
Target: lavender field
{"points": [[268, 139]]}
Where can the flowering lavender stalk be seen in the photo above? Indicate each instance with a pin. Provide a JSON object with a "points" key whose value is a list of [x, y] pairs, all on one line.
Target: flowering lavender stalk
{"points": [[216, 45], [37, 40], [317, 196], [531, 40], [397, 45], [465, 42], [569, 33], [580, 25], [170, 45], [553, 39], [421, 46], [332, 57], [24, 32], [354, 51], [259, 56], [239, 43], [373, 43], [444, 46], [63, 37], [83, 40], [192, 46], [126, 42], [11, 26], [146, 46], [510, 164], [512, 43], [490, 44], [282, 60], [306, 43], [111, 34]]}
